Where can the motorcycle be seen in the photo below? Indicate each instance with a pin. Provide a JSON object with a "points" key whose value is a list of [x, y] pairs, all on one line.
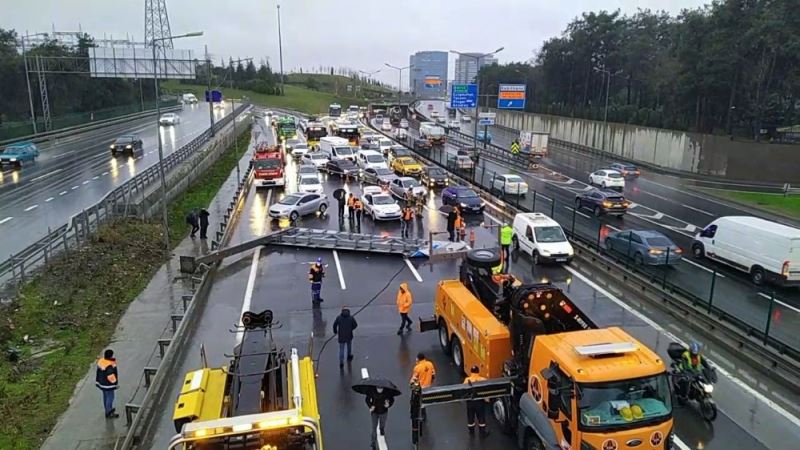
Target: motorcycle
{"points": [[695, 387]]}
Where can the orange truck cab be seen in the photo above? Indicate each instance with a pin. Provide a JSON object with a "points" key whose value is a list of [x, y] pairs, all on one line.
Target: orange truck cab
{"points": [[573, 385]]}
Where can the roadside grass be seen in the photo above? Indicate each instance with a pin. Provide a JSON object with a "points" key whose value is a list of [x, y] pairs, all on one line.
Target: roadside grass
{"points": [[776, 203], [67, 313], [296, 98]]}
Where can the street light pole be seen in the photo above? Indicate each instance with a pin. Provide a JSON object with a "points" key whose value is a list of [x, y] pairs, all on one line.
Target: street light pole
{"points": [[210, 103], [164, 213], [478, 86], [607, 75], [280, 49], [28, 80], [400, 79], [369, 75]]}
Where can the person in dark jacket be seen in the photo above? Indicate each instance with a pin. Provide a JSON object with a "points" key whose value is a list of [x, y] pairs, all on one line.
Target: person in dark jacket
{"points": [[451, 224], [193, 220], [315, 275], [379, 403], [343, 327], [342, 202], [204, 223], [106, 380]]}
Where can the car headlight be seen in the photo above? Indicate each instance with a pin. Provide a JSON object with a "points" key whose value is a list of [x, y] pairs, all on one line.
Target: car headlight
{"points": [[463, 205], [708, 388], [545, 252], [128, 146], [111, 146]]}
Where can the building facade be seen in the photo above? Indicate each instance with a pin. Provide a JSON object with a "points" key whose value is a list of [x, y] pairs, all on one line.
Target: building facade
{"points": [[467, 66], [428, 74]]}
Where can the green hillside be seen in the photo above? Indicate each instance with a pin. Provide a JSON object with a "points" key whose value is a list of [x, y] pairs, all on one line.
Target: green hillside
{"points": [[337, 84]]}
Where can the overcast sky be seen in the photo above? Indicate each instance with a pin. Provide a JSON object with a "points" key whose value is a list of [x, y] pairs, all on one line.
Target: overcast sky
{"points": [[360, 34]]}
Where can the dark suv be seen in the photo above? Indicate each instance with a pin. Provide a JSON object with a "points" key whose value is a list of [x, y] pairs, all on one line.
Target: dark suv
{"points": [[128, 143], [422, 144], [602, 202], [463, 197]]}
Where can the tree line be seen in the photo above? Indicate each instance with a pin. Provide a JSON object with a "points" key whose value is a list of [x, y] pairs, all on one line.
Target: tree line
{"points": [[731, 67]]}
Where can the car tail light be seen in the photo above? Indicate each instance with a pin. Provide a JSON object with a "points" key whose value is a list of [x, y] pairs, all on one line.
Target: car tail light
{"points": [[785, 269]]}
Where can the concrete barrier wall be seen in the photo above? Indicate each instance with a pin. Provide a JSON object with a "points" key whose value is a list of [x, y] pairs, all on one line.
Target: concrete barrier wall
{"points": [[670, 149]]}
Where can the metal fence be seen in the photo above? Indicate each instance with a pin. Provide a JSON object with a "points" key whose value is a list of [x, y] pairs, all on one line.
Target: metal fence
{"points": [[762, 315], [77, 230]]}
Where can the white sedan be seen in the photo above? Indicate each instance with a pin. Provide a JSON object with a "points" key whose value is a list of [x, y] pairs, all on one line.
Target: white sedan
{"points": [[309, 184], [316, 158], [607, 178], [510, 184], [386, 125], [169, 119], [298, 150], [379, 205]]}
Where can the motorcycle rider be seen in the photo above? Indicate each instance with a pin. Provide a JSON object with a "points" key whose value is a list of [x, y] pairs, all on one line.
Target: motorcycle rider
{"points": [[692, 364]]}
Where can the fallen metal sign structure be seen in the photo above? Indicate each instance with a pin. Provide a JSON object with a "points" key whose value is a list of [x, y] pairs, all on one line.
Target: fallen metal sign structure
{"points": [[317, 238]]}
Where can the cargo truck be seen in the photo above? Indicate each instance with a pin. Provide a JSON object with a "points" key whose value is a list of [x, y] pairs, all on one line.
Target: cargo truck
{"points": [[534, 143], [432, 132], [570, 384]]}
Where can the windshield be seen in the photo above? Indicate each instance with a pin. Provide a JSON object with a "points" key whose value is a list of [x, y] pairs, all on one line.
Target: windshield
{"points": [[467, 193], [382, 200], [614, 175], [381, 171], [124, 139], [549, 234], [411, 183], [436, 172], [385, 142], [344, 150], [407, 161], [269, 163], [615, 199], [307, 169], [317, 156], [346, 164], [290, 200], [375, 158], [513, 179], [602, 404], [309, 180]]}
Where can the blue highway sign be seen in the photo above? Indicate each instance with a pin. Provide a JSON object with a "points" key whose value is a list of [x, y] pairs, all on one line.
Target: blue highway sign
{"points": [[464, 96], [511, 96]]}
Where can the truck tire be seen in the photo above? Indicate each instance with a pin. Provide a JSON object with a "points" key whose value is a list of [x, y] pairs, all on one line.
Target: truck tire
{"points": [[444, 337], [501, 409], [485, 258], [698, 251], [458, 355], [757, 275], [532, 441]]}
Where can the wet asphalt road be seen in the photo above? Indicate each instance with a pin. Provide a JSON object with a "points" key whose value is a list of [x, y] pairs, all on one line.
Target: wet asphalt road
{"points": [[665, 206], [76, 172], [368, 286]]}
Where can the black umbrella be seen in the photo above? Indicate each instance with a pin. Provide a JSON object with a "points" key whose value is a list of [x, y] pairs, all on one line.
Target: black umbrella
{"points": [[339, 194], [370, 384]]}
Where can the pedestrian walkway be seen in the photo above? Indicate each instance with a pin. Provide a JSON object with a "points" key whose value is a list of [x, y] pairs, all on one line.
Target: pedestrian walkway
{"points": [[83, 425]]}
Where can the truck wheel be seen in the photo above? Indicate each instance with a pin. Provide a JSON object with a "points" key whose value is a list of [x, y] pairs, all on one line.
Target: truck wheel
{"points": [[501, 408], [698, 251], [483, 258], [458, 355], [444, 338], [535, 258], [757, 275], [532, 442]]}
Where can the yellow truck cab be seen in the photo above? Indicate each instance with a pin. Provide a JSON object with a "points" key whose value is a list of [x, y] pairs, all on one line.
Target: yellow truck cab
{"points": [[572, 384]]}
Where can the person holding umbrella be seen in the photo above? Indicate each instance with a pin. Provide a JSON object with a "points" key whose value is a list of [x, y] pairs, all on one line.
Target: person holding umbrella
{"points": [[339, 195], [380, 394]]}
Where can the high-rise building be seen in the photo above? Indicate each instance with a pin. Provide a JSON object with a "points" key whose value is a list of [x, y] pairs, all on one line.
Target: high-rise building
{"points": [[428, 74], [467, 66]]}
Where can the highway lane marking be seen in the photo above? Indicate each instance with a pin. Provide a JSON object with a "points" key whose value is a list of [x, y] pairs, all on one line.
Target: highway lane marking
{"points": [[62, 192], [96, 177], [750, 390], [30, 208], [780, 302], [569, 208], [251, 279], [689, 261], [698, 210], [104, 174], [413, 270], [45, 175], [364, 373], [657, 196], [339, 270], [49, 199], [648, 219], [688, 193], [86, 182], [5, 220]]}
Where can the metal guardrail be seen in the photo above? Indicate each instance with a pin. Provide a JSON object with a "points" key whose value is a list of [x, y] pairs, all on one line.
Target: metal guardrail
{"points": [[77, 129], [77, 230]]}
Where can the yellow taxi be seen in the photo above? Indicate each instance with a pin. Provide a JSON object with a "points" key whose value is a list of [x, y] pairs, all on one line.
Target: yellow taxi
{"points": [[406, 165]]}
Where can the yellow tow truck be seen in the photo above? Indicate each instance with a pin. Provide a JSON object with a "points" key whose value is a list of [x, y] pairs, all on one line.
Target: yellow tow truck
{"points": [[263, 400], [555, 379]]}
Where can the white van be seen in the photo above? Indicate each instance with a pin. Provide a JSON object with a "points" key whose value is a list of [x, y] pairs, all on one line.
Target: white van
{"points": [[335, 147], [542, 238], [371, 159], [768, 251], [189, 98]]}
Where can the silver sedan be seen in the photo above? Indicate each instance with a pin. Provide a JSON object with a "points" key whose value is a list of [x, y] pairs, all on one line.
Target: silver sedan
{"points": [[299, 204]]}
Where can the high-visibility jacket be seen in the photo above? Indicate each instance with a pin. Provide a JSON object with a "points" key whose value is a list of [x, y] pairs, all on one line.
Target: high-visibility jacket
{"points": [[351, 201], [424, 371], [357, 204], [106, 375], [408, 214], [505, 235], [404, 299], [459, 221], [691, 364], [473, 378]]}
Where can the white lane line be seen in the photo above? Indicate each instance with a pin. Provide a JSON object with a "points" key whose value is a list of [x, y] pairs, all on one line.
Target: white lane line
{"points": [[96, 177], [49, 199], [493, 218], [62, 193], [29, 208], [413, 270], [689, 261], [46, 175], [697, 209], [251, 279], [339, 270], [2, 221], [648, 219], [364, 373], [85, 182], [569, 208], [104, 174], [746, 387], [657, 196], [797, 310], [613, 227]]}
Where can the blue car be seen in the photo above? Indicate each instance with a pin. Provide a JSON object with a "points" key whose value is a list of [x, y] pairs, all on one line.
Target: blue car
{"points": [[485, 137], [463, 197], [645, 247], [16, 154]]}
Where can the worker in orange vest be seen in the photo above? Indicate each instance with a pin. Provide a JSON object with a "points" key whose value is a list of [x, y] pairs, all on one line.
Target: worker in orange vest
{"points": [[358, 207], [424, 374], [350, 206], [106, 380], [458, 225], [476, 409], [404, 302]]}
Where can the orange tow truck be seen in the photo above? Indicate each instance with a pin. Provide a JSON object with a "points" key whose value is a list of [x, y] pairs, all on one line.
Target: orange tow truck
{"points": [[556, 380]]}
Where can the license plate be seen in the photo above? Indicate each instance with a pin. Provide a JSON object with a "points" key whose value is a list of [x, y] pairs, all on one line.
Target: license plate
{"points": [[561, 259]]}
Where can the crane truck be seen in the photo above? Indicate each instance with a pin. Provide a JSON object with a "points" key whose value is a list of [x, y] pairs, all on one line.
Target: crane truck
{"points": [[556, 380], [264, 399]]}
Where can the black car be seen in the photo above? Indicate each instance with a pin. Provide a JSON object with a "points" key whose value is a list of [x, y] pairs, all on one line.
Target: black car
{"points": [[434, 176], [128, 143], [399, 152], [422, 144], [341, 167], [463, 197], [602, 202], [627, 170], [371, 146]]}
